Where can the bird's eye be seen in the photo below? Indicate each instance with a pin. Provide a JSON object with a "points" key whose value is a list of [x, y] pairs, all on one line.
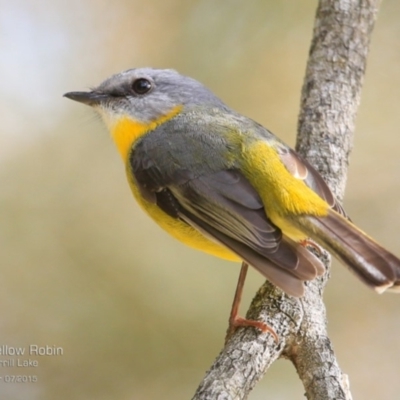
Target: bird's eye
{"points": [[141, 86]]}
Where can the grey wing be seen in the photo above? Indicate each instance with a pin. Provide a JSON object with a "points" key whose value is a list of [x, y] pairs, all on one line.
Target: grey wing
{"points": [[226, 208]]}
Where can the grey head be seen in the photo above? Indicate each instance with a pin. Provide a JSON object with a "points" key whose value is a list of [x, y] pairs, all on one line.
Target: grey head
{"points": [[145, 94]]}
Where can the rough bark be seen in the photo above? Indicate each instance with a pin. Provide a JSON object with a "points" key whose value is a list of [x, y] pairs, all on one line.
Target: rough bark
{"points": [[330, 98]]}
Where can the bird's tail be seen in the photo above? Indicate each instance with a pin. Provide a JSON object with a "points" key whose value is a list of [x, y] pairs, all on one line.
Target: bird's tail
{"points": [[373, 264]]}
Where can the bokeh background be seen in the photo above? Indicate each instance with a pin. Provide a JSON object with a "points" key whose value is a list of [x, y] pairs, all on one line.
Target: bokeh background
{"points": [[139, 315]]}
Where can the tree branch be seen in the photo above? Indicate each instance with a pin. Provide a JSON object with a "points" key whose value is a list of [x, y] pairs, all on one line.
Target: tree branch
{"points": [[332, 86], [330, 98]]}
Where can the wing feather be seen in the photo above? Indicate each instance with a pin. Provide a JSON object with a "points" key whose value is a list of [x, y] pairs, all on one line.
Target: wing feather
{"points": [[302, 169], [225, 207]]}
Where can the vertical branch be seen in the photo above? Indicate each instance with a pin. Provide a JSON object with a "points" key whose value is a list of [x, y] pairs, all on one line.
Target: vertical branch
{"points": [[329, 103], [330, 98], [332, 86]]}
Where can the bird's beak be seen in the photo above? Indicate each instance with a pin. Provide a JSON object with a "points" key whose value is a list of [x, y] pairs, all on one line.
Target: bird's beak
{"points": [[88, 98]]}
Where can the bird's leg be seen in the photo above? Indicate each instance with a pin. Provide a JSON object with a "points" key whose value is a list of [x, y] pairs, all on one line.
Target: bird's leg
{"points": [[234, 320]]}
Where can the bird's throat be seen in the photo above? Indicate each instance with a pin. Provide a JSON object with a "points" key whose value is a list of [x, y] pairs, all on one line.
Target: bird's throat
{"points": [[125, 131]]}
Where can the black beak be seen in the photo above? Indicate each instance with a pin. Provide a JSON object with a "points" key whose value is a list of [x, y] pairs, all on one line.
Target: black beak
{"points": [[89, 98]]}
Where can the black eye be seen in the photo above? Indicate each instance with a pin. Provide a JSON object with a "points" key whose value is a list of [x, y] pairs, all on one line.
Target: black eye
{"points": [[141, 86]]}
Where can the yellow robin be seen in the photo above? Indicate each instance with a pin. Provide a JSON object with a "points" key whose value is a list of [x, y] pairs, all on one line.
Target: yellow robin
{"points": [[222, 183]]}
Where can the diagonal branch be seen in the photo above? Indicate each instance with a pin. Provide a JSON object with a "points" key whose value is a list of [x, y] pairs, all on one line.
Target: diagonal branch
{"points": [[330, 98]]}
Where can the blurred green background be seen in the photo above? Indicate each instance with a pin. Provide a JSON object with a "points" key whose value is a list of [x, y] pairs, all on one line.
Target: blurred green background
{"points": [[139, 315]]}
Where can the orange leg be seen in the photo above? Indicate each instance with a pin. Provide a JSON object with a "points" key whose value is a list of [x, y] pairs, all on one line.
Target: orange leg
{"points": [[234, 320]]}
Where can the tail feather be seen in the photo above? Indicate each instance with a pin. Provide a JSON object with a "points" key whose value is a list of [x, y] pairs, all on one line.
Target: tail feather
{"points": [[395, 288], [373, 264]]}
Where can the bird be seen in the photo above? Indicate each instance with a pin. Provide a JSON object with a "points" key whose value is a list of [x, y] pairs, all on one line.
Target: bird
{"points": [[224, 184]]}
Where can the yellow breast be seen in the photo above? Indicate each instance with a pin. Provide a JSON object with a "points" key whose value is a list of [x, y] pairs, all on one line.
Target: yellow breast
{"points": [[125, 132], [180, 230]]}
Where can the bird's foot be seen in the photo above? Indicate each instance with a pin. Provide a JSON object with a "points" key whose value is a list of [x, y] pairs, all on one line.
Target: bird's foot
{"points": [[237, 322]]}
